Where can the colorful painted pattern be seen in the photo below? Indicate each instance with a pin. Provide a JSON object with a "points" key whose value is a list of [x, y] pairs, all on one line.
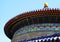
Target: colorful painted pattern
{"points": [[39, 28]]}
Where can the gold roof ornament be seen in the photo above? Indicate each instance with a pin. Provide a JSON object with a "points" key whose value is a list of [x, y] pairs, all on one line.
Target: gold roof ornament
{"points": [[45, 5]]}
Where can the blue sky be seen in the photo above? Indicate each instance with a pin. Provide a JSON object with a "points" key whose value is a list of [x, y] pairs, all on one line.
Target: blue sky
{"points": [[11, 8]]}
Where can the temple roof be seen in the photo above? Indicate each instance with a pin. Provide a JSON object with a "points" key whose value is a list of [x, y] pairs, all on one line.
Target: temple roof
{"points": [[26, 18]]}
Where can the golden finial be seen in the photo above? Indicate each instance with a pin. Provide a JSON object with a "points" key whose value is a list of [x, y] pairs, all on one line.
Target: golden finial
{"points": [[45, 5]]}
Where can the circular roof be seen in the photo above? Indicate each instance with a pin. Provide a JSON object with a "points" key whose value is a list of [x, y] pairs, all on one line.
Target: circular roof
{"points": [[21, 20]]}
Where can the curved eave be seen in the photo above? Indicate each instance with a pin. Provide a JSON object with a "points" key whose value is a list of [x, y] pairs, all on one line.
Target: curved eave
{"points": [[28, 14]]}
